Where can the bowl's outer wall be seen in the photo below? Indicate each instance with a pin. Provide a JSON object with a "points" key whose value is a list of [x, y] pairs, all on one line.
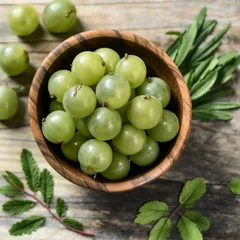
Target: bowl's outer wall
{"points": [[158, 64]]}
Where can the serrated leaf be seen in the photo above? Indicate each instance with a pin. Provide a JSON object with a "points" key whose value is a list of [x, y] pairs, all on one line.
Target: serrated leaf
{"points": [[216, 92], [30, 169], [234, 186], [26, 226], [192, 191], [210, 46], [9, 191], [201, 222], [151, 211], [73, 223], [200, 88], [13, 180], [161, 230], [61, 207], [17, 206], [206, 115], [218, 106], [186, 44], [188, 230], [46, 186]]}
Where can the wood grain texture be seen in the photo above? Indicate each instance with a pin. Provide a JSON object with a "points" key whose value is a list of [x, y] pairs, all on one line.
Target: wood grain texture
{"points": [[212, 150]]}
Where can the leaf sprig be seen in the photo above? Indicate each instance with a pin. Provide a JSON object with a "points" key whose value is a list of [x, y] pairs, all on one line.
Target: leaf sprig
{"points": [[190, 224], [205, 72], [35, 181]]}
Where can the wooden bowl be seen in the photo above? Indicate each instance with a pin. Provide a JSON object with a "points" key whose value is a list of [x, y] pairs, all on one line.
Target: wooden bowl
{"points": [[158, 64]]}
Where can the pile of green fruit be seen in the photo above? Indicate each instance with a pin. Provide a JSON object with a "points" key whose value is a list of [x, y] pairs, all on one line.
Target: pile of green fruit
{"points": [[106, 99], [59, 16], [105, 112]]}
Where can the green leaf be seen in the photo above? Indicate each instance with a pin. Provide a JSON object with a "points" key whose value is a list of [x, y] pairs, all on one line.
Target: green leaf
{"points": [[9, 191], [13, 180], [210, 46], [225, 78], [201, 222], [234, 186], [197, 72], [189, 80], [228, 69], [188, 230], [186, 44], [30, 169], [192, 191], [207, 115], [205, 30], [26, 226], [161, 230], [226, 57], [218, 106], [61, 207], [173, 48], [213, 63], [151, 211], [201, 17], [200, 88], [216, 92], [17, 206], [46, 186], [174, 33], [73, 223]]}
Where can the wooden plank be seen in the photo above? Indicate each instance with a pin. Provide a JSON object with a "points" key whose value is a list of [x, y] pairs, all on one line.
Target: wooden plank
{"points": [[212, 150], [98, 211]]}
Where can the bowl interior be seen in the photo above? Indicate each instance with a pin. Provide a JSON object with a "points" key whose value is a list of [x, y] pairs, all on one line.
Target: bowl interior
{"points": [[157, 65]]}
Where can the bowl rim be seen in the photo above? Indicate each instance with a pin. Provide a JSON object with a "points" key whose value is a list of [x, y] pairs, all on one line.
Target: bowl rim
{"points": [[151, 174]]}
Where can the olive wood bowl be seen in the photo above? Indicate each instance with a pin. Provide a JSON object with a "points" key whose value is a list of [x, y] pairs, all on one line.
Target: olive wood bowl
{"points": [[158, 64]]}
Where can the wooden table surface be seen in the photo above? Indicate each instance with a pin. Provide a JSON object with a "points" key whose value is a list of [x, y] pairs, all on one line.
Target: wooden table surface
{"points": [[212, 152]]}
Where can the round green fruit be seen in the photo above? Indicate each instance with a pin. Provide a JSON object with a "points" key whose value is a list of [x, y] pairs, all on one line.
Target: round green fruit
{"points": [[119, 167], [166, 129], [148, 155], [94, 156], [13, 59], [8, 102]]}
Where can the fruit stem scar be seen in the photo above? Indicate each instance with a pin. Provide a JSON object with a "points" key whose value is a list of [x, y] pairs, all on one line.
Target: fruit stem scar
{"points": [[104, 104], [126, 55], [103, 64], [77, 88], [111, 73], [149, 79], [68, 14], [60, 141], [52, 96], [43, 120], [147, 96]]}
